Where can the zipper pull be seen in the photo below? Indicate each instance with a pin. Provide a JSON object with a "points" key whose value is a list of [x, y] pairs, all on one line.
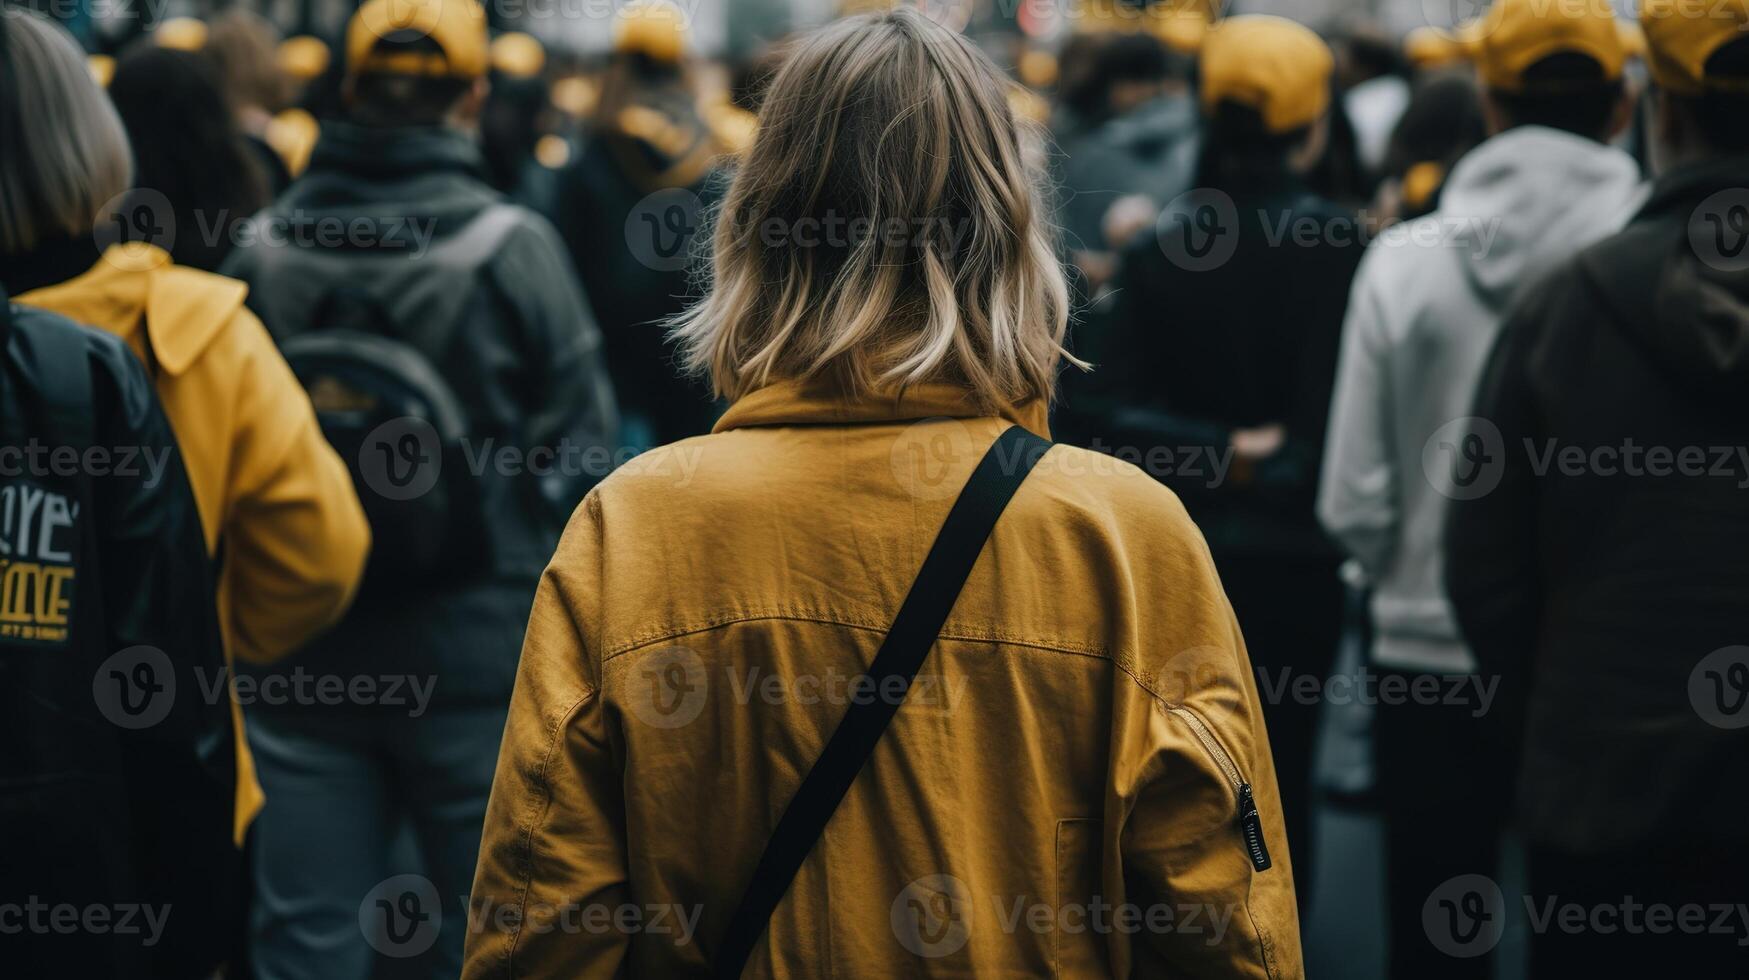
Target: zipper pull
{"points": [[1251, 825]]}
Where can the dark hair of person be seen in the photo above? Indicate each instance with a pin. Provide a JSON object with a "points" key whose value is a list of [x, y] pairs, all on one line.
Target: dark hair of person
{"points": [[188, 147], [1723, 115], [1092, 66], [387, 99], [1238, 151], [1442, 122], [1368, 54], [1565, 91]]}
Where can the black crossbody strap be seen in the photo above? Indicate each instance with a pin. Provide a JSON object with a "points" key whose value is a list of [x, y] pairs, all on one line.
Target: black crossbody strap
{"points": [[957, 546]]}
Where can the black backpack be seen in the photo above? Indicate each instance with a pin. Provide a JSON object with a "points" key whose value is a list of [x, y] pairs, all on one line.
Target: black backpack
{"points": [[95, 739], [368, 364]]}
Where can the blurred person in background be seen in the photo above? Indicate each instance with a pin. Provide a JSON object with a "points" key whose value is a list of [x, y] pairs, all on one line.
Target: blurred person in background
{"points": [[1443, 122], [1371, 74], [1227, 358], [1426, 307], [401, 287], [117, 796], [244, 50], [512, 118], [1114, 750], [631, 205], [279, 515], [187, 148], [1613, 596], [1136, 134]]}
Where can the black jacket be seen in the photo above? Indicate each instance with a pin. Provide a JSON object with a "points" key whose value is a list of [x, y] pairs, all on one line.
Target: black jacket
{"points": [[1607, 570], [117, 774], [1188, 349], [530, 378], [633, 216]]}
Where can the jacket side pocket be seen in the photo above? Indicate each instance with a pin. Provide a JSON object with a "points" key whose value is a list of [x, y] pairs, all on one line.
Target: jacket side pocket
{"points": [[1078, 948]]}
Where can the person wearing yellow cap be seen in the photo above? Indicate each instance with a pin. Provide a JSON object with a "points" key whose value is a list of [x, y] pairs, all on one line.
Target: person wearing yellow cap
{"points": [[629, 204], [450, 355], [1614, 592], [1218, 340], [1426, 307]]}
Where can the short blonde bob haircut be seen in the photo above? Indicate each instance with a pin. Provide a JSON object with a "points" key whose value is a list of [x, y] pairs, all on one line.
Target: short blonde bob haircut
{"points": [[887, 228], [63, 152]]}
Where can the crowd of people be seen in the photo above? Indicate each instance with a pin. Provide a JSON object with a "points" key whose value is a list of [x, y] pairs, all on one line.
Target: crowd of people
{"points": [[888, 503]]}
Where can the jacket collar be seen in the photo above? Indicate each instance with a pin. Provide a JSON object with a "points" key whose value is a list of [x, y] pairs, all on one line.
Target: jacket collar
{"points": [[395, 153], [130, 291], [799, 403]]}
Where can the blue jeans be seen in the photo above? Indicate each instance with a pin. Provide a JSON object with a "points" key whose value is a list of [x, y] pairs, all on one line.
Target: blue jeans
{"points": [[339, 894]]}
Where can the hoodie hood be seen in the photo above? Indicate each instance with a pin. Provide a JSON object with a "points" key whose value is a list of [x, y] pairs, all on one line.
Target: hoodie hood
{"points": [[1695, 321], [1532, 196], [408, 181], [1702, 327]]}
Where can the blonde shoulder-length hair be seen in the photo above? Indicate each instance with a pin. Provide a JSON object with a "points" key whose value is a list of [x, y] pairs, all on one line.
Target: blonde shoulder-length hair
{"points": [[886, 229]]}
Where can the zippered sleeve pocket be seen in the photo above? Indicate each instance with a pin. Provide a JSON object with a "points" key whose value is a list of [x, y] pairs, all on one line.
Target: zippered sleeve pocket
{"points": [[1250, 823]]}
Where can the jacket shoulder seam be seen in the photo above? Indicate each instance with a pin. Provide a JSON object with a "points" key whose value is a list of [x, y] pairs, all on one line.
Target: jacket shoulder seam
{"points": [[967, 635]]}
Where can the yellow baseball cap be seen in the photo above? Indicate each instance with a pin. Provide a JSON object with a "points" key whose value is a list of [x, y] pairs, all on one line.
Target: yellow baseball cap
{"points": [[457, 27], [1433, 47], [1179, 27], [653, 28], [1682, 34], [181, 34], [302, 57], [1516, 34], [518, 55], [1280, 68]]}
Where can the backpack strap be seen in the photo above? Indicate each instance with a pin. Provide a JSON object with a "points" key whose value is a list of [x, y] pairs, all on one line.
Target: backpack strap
{"points": [[63, 368], [484, 234], [467, 251], [937, 587]]}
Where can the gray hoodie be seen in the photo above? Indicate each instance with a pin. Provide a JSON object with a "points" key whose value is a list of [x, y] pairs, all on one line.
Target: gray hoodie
{"points": [[1425, 308]]}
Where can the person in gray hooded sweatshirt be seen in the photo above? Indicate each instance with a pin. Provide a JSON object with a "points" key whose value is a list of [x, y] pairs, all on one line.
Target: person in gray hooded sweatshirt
{"points": [[1426, 305]]}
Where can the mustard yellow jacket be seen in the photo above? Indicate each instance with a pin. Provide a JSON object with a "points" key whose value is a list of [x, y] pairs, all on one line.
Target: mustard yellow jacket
{"points": [[1057, 797], [270, 490]]}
